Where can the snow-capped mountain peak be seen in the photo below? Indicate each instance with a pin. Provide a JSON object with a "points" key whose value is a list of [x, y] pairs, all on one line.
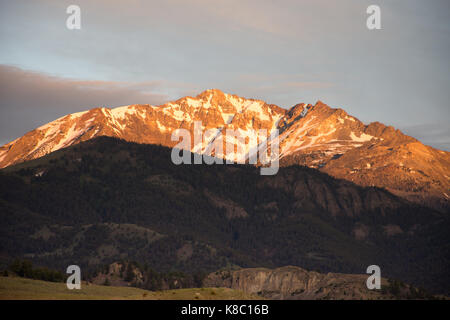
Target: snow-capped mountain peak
{"points": [[313, 135]]}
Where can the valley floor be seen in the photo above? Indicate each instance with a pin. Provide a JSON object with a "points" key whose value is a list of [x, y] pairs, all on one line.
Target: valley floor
{"points": [[14, 288]]}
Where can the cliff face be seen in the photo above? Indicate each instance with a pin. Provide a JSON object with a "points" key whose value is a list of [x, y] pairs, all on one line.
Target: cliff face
{"points": [[294, 283], [120, 274]]}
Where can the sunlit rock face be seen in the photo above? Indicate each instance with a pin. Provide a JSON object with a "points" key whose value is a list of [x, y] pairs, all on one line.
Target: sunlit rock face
{"points": [[316, 136]]}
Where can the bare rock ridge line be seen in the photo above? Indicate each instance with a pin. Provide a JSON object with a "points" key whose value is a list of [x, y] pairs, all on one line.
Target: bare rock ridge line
{"points": [[316, 136], [295, 283]]}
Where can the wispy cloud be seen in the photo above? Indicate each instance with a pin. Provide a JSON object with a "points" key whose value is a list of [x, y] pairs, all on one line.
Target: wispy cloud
{"points": [[434, 134], [29, 99]]}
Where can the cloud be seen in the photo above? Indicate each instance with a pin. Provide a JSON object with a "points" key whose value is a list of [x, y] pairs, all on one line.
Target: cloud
{"points": [[435, 134], [284, 90], [30, 99]]}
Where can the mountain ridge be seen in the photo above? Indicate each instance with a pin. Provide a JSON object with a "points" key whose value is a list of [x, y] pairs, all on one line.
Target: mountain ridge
{"points": [[316, 135]]}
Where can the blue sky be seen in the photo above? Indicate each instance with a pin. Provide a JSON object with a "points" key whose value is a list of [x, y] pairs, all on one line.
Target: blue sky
{"points": [[283, 52]]}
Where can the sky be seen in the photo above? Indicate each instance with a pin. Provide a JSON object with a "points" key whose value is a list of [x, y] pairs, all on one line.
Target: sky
{"points": [[283, 52]]}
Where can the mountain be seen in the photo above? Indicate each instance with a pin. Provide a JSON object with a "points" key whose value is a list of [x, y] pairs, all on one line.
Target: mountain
{"points": [[145, 124], [105, 199], [316, 136], [369, 155]]}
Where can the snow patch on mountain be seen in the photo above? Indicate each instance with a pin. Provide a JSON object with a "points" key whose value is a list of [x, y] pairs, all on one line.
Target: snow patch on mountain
{"points": [[228, 117], [362, 138], [71, 135], [160, 126], [78, 114], [304, 111], [195, 103]]}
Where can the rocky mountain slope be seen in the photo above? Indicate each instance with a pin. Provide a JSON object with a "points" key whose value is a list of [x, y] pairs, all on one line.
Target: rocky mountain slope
{"points": [[316, 136], [369, 155]]}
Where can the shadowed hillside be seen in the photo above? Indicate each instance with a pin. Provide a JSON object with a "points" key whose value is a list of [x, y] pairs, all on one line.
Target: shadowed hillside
{"points": [[106, 199]]}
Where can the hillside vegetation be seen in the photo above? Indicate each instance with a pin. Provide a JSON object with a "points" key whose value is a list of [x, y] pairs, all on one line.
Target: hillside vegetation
{"points": [[14, 288], [108, 200]]}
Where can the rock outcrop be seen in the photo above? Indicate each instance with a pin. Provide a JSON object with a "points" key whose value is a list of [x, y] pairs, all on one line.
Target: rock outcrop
{"points": [[294, 283]]}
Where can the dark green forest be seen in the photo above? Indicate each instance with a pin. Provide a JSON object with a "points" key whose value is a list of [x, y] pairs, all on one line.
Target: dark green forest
{"points": [[107, 200]]}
